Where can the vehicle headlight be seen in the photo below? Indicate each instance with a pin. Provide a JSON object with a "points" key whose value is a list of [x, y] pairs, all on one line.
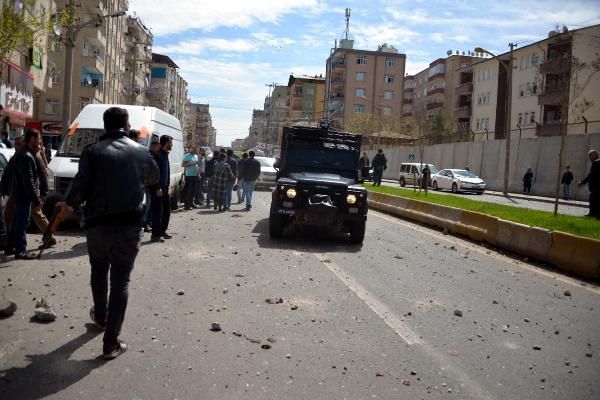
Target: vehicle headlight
{"points": [[291, 193], [351, 199]]}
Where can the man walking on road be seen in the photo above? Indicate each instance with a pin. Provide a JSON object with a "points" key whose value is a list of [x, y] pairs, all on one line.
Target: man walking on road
{"points": [[240, 182], [379, 165], [250, 174], [209, 173], [161, 206], [111, 180], [233, 165], [593, 181]]}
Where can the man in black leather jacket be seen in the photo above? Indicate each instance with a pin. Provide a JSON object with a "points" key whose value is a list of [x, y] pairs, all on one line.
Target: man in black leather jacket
{"points": [[23, 193], [112, 179]]}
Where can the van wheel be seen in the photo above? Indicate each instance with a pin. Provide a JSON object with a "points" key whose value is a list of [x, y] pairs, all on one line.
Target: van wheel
{"points": [[435, 186], [276, 226], [454, 188], [402, 181], [357, 232]]}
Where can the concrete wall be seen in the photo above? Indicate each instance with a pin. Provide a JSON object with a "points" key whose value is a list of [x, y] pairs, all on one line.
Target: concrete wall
{"points": [[486, 159]]}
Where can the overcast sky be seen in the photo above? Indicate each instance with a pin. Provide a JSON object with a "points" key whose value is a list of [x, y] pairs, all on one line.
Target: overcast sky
{"points": [[228, 50]]}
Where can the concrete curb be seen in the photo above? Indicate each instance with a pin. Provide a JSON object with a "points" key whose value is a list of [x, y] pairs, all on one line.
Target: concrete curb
{"points": [[575, 254]]}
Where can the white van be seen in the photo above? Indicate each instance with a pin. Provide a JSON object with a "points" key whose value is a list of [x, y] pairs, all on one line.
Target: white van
{"points": [[87, 128]]}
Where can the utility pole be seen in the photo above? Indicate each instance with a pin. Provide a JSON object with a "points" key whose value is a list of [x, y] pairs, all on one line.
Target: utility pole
{"points": [[508, 120]]}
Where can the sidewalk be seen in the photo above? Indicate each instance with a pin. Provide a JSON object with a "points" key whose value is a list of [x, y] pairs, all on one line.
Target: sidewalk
{"points": [[542, 199]]}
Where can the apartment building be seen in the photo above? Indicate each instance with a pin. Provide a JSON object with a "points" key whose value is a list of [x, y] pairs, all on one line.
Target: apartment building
{"points": [[305, 99], [23, 72], [444, 87], [257, 129], [552, 77], [138, 59], [198, 126], [362, 81], [98, 62], [167, 89], [277, 111]]}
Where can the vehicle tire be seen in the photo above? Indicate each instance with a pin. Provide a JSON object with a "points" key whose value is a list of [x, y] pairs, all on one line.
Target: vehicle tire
{"points": [[357, 231], [276, 226], [435, 186], [402, 181], [454, 188]]}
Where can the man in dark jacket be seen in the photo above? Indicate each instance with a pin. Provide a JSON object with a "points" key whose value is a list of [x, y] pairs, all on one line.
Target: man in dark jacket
{"points": [[233, 164], [379, 165], [593, 181], [111, 180], [566, 180], [250, 174], [209, 172], [161, 205], [23, 194]]}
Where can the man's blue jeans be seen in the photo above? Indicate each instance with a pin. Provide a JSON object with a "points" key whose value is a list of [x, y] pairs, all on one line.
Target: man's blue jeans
{"points": [[227, 203], [240, 191], [248, 191], [17, 238], [566, 191]]}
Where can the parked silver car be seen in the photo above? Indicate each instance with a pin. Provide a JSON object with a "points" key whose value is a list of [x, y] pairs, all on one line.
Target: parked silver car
{"points": [[267, 172], [458, 180], [410, 173]]}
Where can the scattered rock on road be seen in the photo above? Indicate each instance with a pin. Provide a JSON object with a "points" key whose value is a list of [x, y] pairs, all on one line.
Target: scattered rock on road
{"points": [[180, 292], [458, 313], [215, 327], [537, 347], [293, 308], [7, 308], [265, 346], [379, 374], [567, 293], [406, 382], [43, 311]]}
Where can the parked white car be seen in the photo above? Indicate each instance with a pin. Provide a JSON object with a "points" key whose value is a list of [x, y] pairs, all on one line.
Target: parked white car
{"points": [[410, 173], [267, 172], [457, 180]]}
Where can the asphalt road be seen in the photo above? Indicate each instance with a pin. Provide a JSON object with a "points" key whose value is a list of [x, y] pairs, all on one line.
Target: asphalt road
{"points": [[516, 201], [356, 322]]}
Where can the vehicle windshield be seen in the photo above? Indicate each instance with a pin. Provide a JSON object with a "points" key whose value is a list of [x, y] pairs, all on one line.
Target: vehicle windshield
{"points": [[266, 162], [464, 174], [432, 169], [73, 145], [308, 157]]}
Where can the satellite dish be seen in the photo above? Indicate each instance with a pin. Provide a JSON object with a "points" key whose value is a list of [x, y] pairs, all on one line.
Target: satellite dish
{"points": [[449, 53]]}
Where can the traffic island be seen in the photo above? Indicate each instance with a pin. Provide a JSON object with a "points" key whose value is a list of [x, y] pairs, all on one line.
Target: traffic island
{"points": [[575, 254]]}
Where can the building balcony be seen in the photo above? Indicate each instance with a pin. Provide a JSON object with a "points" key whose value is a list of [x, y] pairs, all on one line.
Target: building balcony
{"points": [[407, 101], [338, 63], [440, 75], [556, 66], [462, 111], [435, 91], [464, 88], [551, 97], [549, 128], [337, 79], [409, 89], [434, 105], [338, 95]]}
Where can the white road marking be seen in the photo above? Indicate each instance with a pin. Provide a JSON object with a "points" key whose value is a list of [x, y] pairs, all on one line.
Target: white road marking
{"points": [[378, 307], [402, 330], [483, 250]]}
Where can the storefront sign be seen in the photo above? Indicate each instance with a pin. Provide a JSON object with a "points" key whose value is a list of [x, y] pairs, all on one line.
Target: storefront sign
{"points": [[17, 105], [51, 128], [36, 57]]}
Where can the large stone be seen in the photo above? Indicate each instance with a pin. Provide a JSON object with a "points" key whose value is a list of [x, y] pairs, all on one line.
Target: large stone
{"points": [[43, 311], [7, 308]]}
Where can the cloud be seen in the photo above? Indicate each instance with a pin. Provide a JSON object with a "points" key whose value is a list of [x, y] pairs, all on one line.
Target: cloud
{"points": [[213, 44], [371, 36], [183, 15]]}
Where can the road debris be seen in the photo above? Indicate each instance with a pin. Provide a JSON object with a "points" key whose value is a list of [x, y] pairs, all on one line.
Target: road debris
{"points": [[215, 326], [43, 311], [7, 308], [458, 313]]}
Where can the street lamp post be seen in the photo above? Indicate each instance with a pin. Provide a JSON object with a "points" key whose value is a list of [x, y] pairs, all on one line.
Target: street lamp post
{"points": [[509, 72], [70, 38]]}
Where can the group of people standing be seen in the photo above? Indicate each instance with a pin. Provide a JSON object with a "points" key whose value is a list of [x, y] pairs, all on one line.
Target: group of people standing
{"points": [[379, 165]]}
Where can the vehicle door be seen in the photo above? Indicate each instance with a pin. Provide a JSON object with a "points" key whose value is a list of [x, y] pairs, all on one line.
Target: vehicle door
{"points": [[446, 179], [450, 177], [414, 175]]}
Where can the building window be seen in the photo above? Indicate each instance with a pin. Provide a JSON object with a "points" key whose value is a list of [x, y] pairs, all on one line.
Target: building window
{"points": [[389, 79], [308, 104], [529, 61], [359, 108], [361, 76], [361, 60], [387, 111], [52, 106], [388, 95], [309, 91], [360, 93], [390, 62], [55, 78]]}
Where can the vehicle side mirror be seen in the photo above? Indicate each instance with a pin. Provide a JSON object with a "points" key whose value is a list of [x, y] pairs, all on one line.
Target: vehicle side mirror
{"points": [[277, 163]]}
